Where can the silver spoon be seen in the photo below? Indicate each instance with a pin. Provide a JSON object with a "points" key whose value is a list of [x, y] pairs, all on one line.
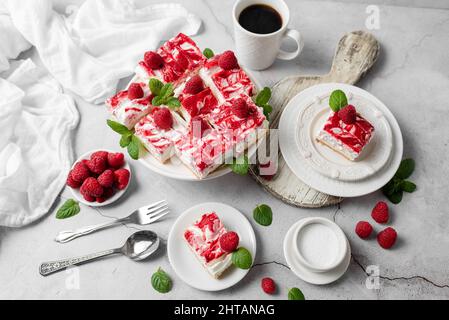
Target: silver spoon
{"points": [[138, 246]]}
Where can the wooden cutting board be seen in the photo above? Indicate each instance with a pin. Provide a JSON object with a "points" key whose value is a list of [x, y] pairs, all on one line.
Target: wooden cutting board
{"points": [[355, 55]]}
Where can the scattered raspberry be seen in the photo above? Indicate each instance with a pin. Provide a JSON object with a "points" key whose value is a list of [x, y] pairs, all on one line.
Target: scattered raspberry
{"points": [[229, 241], [107, 193], [116, 160], [194, 85], [363, 229], [88, 197], [348, 114], [163, 119], [97, 165], [121, 178], [227, 60], [268, 285], [80, 172], [91, 187], [101, 154], [240, 108], [266, 171], [135, 91], [380, 212], [107, 178], [72, 183], [387, 238], [153, 60]]}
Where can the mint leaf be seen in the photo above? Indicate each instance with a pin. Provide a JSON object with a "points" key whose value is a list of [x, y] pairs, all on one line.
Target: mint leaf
{"points": [[208, 53], [295, 294], [395, 197], [157, 101], [263, 97], [155, 86], [406, 169], [118, 127], [408, 186], [166, 91], [134, 147], [263, 215], [240, 165], [160, 281], [68, 209], [338, 100], [173, 103], [267, 109], [125, 140], [242, 259]]}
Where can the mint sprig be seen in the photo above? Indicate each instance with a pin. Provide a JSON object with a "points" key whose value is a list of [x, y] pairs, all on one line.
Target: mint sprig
{"points": [[128, 139], [208, 53], [240, 165], [160, 281], [163, 94], [262, 99], [337, 100], [242, 258], [395, 188], [263, 215], [69, 209]]}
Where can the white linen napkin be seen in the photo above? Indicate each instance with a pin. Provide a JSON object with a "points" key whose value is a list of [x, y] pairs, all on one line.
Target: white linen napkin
{"points": [[101, 42], [36, 121]]}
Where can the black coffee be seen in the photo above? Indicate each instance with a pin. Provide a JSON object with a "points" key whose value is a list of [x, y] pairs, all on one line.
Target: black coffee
{"points": [[260, 18]]}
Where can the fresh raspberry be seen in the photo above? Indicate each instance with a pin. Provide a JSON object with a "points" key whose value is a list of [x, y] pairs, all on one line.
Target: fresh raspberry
{"points": [[121, 178], [348, 114], [229, 241], [240, 108], [88, 197], [380, 212], [101, 154], [163, 119], [267, 167], [97, 165], [107, 193], [72, 183], [227, 60], [80, 172], [194, 85], [107, 178], [363, 229], [116, 160], [153, 60], [135, 91], [91, 187], [268, 285], [387, 237]]}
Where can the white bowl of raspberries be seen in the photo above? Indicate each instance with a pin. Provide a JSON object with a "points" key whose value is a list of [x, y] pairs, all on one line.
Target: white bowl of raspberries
{"points": [[99, 177]]}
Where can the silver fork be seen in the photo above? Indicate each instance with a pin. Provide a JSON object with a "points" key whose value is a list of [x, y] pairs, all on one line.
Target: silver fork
{"points": [[141, 216]]}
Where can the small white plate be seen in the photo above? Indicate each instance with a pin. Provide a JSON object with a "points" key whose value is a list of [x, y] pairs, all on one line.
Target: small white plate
{"points": [[318, 278], [118, 193], [378, 165], [187, 266]]}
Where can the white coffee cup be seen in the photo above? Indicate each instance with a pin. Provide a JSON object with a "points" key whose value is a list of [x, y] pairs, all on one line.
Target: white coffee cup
{"points": [[258, 51]]}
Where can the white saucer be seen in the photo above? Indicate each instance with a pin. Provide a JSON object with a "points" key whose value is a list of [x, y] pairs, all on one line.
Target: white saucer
{"points": [[118, 193], [318, 278], [187, 266], [324, 169]]}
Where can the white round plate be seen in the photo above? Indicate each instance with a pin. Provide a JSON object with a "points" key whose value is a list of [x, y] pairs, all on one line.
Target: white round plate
{"points": [[374, 169], [311, 118], [318, 278], [118, 193], [175, 169], [183, 260]]}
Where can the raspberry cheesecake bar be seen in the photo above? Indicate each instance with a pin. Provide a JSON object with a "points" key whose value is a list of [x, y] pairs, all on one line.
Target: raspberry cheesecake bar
{"points": [[157, 131], [129, 106], [346, 132], [203, 238], [225, 77], [177, 58]]}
